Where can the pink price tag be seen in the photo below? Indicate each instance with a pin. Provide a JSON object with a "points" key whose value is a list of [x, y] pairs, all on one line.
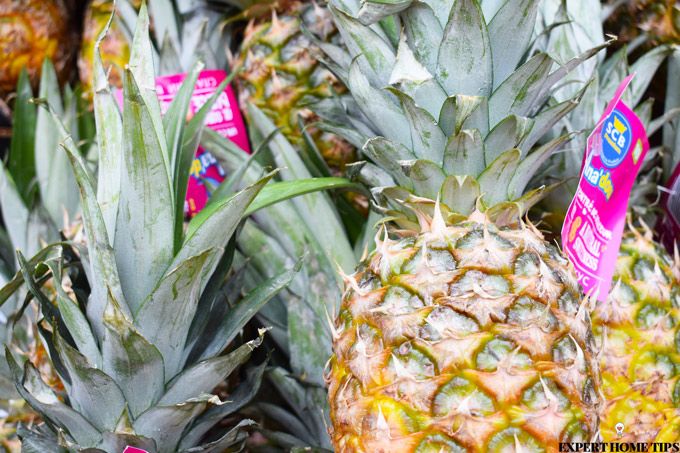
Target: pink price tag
{"points": [[130, 449], [592, 231], [224, 118]]}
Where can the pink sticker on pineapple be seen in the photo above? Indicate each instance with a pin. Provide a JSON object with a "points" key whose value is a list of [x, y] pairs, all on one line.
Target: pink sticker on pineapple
{"points": [[593, 227], [130, 449], [224, 118]]}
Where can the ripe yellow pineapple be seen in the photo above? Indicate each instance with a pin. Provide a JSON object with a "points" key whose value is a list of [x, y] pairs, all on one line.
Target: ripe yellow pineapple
{"points": [[281, 71], [465, 329], [30, 31], [638, 329]]}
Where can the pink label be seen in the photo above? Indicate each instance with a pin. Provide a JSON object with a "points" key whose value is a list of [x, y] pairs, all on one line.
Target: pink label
{"points": [[592, 231], [224, 118], [129, 449]]}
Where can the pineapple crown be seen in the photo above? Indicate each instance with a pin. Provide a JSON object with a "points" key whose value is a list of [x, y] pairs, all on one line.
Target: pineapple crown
{"points": [[183, 31], [447, 101]]}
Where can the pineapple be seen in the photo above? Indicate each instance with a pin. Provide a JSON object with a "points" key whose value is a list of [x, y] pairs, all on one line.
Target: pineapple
{"points": [[30, 32], [638, 328], [139, 323], [464, 330], [635, 328], [281, 72], [658, 19]]}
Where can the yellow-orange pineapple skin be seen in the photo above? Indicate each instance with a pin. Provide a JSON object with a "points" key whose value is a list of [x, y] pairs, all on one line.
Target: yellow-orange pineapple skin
{"points": [[638, 329], [30, 31], [464, 337], [281, 72]]}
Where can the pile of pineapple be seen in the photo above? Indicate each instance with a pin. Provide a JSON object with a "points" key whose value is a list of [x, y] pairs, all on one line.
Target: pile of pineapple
{"points": [[437, 316]]}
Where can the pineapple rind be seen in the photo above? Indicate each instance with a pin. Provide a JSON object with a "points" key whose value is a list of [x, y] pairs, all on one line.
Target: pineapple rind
{"points": [[472, 338], [30, 32], [282, 72], [638, 329]]}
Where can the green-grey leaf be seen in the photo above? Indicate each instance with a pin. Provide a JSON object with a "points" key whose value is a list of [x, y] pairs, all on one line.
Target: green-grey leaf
{"points": [[510, 31], [176, 116], [423, 31], [166, 424], [41, 397], [132, 361], [278, 191], [204, 376], [464, 112], [246, 309], [460, 194], [109, 141], [378, 55], [494, 181], [145, 224], [517, 94], [427, 178], [21, 161], [388, 155], [372, 11], [507, 134], [93, 393], [80, 330], [244, 392], [427, 138], [58, 190], [171, 308], [141, 67], [464, 154], [378, 107], [464, 62], [530, 165], [218, 220]]}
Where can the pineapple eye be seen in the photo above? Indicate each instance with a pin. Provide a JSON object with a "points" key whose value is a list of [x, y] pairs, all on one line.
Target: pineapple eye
{"points": [[527, 312], [460, 396], [475, 238], [644, 271], [444, 321], [526, 264], [538, 397], [498, 350], [650, 316], [507, 440], [568, 303], [398, 301], [492, 285], [565, 351], [438, 260], [650, 365], [410, 363], [575, 432], [437, 443], [623, 294]]}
